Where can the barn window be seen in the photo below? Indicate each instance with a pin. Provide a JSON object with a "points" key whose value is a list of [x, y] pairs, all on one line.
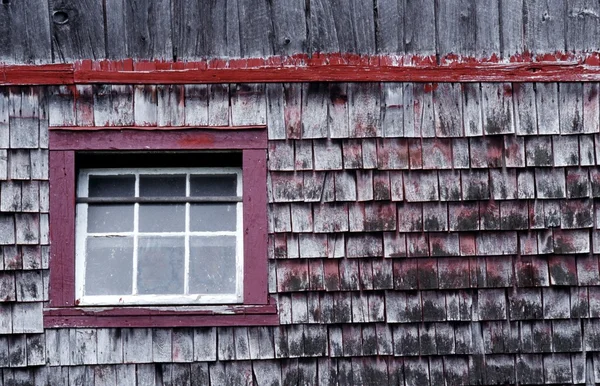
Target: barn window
{"points": [[159, 236], [158, 227]]}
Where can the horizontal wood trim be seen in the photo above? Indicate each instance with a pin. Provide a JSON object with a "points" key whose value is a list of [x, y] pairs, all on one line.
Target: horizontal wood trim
{"points": [[558, 67], [158, 139], [258, 315]]}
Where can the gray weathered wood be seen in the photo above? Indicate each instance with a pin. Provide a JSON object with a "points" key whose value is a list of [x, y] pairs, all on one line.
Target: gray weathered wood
{"points": [[183, 345], [583, 25], [571, 108], [390, 28], [24, 118], [161, 345], [77, 30], [83, 346], [196, 105], [137, 345], [141, 29], [25, 32], [545, 25], [110, 345], [511, 28], [248, 104], [171, 105], [256, 28], [419, 40], [145, 105]]}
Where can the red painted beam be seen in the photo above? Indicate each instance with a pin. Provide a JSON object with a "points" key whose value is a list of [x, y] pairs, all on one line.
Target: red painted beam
{"points": [[557, 67]]}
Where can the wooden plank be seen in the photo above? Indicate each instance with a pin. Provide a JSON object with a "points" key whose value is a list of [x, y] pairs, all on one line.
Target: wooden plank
{"points": [[182, 345], [24, 118], [77, 30], [61, 106], [218, 105], [420, 41], [447, 104], [544, 30], [196, 105], [84, 106], [36, 350], [456, 28], [110, 345], [4, 118], [267, 372], [364, 111], [390, 31], [547, 100], [591, 108], [162, 345], [511, 28], [171, 102], [137, 345], [145, 105], [205, 344], [84, 345], [322, 30], [571, 108], [582, 25], [314, 110], [248, 104], [525, 108], [275, 112], [32, 43], [256, 29], [140, 30], [497, 108]]}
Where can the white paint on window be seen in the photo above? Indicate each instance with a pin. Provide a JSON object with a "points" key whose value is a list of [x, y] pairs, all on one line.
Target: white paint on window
{"points": [[212, 238]]}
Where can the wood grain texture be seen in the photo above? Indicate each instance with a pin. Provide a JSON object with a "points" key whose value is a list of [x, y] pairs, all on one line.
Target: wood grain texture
{"points": [[140, 29], [77, 30], [25, 32]]}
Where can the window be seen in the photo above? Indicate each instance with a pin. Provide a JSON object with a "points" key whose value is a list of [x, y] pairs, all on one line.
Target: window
{"points": [[158, 227], [159, 236]]}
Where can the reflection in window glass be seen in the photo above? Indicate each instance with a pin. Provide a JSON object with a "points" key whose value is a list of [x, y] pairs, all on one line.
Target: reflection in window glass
{"points": [[212, 217], [212, 265], [161, 265], [109, 266], [110, 218], [162, 186], [213, 185], [111, 186]]}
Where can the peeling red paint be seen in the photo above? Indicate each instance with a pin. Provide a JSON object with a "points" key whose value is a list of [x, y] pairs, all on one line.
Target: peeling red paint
{"points": [[522, 67]]}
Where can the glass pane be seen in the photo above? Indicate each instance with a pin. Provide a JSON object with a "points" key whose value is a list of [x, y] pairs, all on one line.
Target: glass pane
{"points": [[110, 218], [111, 186], [161, 265], [213, 185], [212, 265], [162, 186], [212, 217], [109, 266], [162, 218]]}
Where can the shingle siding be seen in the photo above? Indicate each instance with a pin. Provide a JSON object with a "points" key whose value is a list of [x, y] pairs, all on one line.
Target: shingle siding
{"points": [[451, 239]]}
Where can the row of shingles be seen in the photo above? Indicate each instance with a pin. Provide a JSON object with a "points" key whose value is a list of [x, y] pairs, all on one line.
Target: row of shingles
{"points": [[359, 110], [424, 110], [381, 154], [158, 105], [135, 345], [322, 171], [317, 274], [322, 371], [23, 225], [528, 369]]}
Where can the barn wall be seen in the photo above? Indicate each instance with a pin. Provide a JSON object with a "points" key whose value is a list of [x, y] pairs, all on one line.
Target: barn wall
{"points": [[417, 233], [42, 31]]}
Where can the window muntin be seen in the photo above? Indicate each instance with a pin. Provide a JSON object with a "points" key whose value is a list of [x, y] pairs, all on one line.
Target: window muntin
{"points": [[162, 228]]}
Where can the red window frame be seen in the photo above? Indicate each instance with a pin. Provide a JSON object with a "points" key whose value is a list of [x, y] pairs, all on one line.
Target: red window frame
{"points": [[66, 142]]}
